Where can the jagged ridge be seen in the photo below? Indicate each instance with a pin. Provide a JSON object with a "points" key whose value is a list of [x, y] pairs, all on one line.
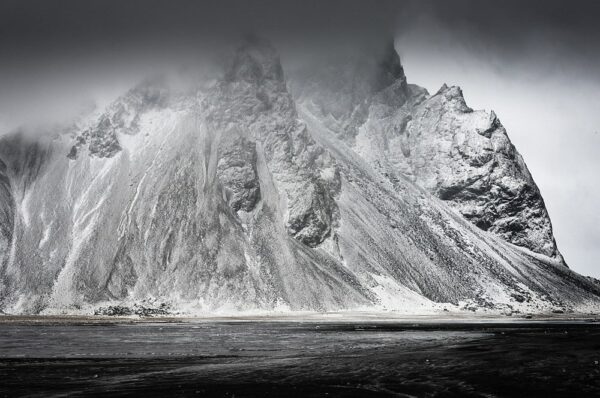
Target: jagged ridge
{"points": [[464, 157]]}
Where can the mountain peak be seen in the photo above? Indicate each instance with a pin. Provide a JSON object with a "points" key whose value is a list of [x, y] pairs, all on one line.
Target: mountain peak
{"points": [[453, 97], [390, 69], [255, 60]]}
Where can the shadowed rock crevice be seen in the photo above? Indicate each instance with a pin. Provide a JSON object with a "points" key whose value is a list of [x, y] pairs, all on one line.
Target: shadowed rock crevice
{"points": [[236, 170]]}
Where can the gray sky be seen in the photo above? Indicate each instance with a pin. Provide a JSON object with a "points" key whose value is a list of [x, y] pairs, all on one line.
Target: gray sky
{"points": [[535, 63]]}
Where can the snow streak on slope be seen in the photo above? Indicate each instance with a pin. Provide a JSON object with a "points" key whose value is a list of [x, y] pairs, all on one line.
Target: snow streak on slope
{"points": [[236, 197]]}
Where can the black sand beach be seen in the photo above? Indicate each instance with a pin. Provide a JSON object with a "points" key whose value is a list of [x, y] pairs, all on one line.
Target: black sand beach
{"points": [[233, 357]]}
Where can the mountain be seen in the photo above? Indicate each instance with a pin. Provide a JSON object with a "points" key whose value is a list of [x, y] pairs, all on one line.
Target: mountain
{"points": [[338, 187], [463, 157]]}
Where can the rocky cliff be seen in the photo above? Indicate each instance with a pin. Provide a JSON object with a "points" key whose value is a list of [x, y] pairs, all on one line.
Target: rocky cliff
{"points": [[462, 156]]}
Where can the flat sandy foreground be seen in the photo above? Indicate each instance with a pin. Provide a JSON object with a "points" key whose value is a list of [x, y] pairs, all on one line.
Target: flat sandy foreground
{"points": [[342, 354], [309, 317]]}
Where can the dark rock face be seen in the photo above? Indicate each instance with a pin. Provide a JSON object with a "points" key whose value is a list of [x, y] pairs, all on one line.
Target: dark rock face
{"points": [[103, 141], [122, 117], [236, 169], [594, 280], [144, 310]]}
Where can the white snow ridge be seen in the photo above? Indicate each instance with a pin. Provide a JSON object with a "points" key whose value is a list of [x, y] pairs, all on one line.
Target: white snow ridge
{"points": [[333, 189]]}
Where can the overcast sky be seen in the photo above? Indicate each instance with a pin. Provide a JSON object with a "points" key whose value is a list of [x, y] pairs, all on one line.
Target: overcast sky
{"points": [[537, 65]]}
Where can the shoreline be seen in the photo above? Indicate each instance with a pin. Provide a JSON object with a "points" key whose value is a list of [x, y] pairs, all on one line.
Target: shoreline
{"points": [[329, 318]]}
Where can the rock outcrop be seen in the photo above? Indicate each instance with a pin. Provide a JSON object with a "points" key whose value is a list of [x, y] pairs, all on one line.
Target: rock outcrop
{"points": [[466, 158], [236, 170], [122, 117]]}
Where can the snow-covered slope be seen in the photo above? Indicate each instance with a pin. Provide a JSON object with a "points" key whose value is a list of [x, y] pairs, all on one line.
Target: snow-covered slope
{"points": [[242, 196]]}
